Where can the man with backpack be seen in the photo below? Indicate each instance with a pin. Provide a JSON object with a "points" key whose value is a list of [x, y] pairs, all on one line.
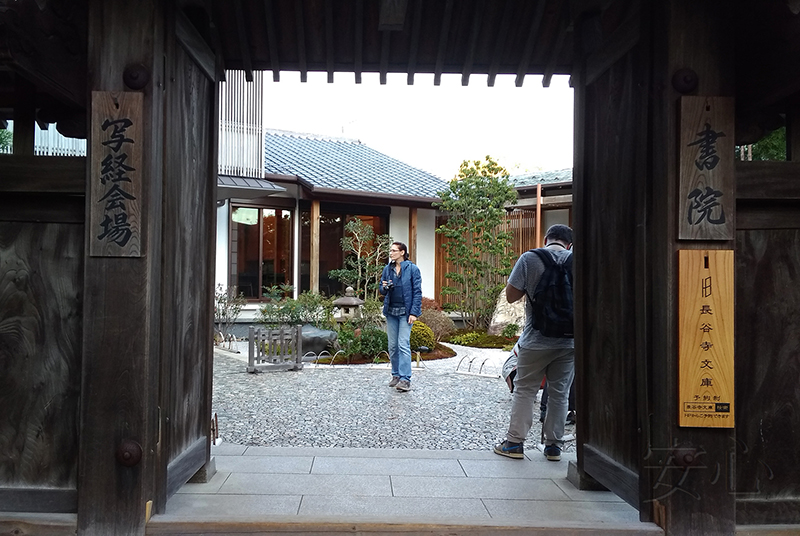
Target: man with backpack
{"points": [[546, 346]]}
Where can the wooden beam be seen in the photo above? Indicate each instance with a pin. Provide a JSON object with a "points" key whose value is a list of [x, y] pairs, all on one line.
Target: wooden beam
{"points": [[563, 27], [416, 25], [358, 48], [244, 42], [385, 46], [272, 41], [329, 48], [550, 201], [793, 132], [624, 38], [443, 35], [314, 260], [194, 45], [612, 474], [527, 51], [216, 42], [500, 42], [301, 41], [538, 220], [765, 180], [43, 174], [477, 19], [392, 15], [24, 117]]}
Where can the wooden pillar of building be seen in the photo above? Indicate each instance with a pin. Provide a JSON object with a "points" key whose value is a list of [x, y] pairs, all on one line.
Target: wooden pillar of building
{"points": [[314, 261], [412, 234]]}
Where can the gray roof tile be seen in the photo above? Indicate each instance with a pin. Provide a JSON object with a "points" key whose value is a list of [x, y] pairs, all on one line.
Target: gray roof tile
{"points": [[344, 164], [541, 177]]}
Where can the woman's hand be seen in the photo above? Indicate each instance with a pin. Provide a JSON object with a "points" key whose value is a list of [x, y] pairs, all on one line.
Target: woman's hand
{"points": [[412, 319]]}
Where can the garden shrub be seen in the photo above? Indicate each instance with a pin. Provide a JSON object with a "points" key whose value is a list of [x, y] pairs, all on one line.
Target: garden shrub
{"points": [[373, 342], [510, 331], [422, 335], [441, 324], [465, 339], [308, 308], [362, 343]]}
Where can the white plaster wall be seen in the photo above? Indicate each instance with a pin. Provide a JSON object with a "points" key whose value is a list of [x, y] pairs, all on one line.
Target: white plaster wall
{"points": [[221, 269], [426, 250], [426, 242]]}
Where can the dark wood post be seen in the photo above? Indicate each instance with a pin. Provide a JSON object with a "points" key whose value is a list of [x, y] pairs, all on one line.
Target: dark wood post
{"points": [[119, 431]]}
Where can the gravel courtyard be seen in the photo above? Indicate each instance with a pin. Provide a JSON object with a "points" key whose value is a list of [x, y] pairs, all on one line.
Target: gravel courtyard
{"points": [[351, 406]]}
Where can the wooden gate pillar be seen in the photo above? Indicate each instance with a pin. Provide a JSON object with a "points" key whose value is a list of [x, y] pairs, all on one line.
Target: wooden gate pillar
{"points": [[119, 412], [627, 215]]}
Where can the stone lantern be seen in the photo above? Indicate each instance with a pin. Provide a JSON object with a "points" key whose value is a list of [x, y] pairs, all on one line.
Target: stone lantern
{"points": [[349, 305]]}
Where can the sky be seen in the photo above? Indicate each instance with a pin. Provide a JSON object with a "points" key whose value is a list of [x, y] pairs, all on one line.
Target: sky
{"points": [[433, 128]]}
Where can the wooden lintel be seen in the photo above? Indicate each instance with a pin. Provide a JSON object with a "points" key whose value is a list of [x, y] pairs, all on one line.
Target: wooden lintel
{"points": [[329, 48], [301, 41], [442, 47], [244, 42], [553, 201], [272, 41], [766, 180], [500, 43], [43, 174], [413, 50], [194, 45], [527, 52], [475, 33]]}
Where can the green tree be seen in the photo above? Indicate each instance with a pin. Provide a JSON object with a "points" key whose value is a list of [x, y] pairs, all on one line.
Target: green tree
{"points": [[770, 147], [365, 255], [6, 139], [475, 242]]}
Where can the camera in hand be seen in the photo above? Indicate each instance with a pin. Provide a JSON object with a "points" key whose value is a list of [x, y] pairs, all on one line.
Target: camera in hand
{"points": [[389, 284]]}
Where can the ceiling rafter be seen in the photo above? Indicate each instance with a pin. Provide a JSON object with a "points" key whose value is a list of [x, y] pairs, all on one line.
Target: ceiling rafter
{"points": [[244, 42], [442, 50], [413, 50], [272, 41], [301, 41], [216, 41], [564, 26], [527, 52], [500, 42], [329, 39], [358, 49], [477, 18], [386, 37]]}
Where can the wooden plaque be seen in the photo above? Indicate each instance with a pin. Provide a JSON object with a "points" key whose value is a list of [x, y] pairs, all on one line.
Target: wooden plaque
{"points": [[115, 190], [705, 338], [706, 196]]}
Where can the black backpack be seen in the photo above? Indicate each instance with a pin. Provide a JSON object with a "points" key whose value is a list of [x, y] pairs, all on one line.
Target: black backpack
{"points": [[552, 300]]}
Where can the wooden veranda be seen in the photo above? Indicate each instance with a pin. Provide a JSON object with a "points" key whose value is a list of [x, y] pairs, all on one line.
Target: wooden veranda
{"points": [[106, 262]]}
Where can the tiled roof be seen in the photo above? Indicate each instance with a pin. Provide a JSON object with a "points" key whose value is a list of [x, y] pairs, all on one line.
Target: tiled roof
{"points": [[541, 177], [344, 164]]}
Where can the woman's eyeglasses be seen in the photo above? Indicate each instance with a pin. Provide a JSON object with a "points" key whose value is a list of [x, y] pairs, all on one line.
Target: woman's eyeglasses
{"points": [[393, 250]]}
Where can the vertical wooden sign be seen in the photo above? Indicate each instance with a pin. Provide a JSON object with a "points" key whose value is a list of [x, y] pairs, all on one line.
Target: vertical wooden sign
{"points": [[706, 195], [705, 338], [115, 191]]}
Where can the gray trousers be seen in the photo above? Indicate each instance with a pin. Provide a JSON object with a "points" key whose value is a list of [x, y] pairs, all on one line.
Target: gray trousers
{"points": [[559, 367]]}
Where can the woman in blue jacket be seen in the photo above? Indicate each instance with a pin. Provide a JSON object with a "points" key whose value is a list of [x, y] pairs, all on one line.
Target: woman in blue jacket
{"points": [[401, 283]]}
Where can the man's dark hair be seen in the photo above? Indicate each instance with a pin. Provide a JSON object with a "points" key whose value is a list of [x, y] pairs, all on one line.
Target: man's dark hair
{"points": [[402, 247], [559, 232]]}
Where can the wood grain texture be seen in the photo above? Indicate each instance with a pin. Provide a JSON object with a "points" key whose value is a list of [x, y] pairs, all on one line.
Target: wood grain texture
{"points": [[41, 279], [705, 338], [187, 278], [706, 196], [768, 365], [51, 174]]}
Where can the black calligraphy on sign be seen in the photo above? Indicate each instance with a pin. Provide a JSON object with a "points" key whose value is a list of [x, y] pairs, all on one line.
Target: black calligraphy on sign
{"points": [[114, 173], [702, 205], [708, 157]]}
